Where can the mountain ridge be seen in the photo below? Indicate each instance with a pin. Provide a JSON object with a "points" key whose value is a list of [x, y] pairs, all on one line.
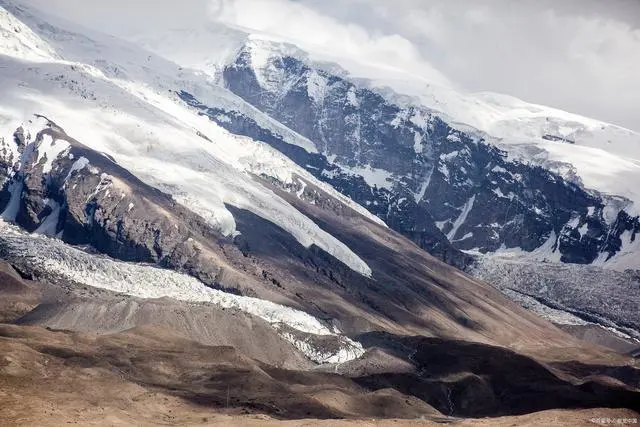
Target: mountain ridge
{"points": [[177, 242], [460, 220]]}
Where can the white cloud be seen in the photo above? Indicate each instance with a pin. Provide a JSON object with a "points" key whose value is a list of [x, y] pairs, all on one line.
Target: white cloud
{"points": [[121, 17], [313, 29], [578, 55]]}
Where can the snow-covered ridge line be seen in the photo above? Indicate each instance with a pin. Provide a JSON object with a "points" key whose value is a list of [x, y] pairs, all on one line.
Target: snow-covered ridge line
{"points": [[529, 132], [117, 99], [53, 259]]}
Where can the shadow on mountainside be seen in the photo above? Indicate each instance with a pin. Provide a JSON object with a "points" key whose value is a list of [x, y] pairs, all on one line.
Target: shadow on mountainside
{"points": [[219, 378], [476, 380]]}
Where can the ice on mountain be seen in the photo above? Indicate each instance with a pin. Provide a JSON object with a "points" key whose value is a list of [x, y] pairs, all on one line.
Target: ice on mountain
{"points": [[56, 260], [423, 187], [13, 207], [303, 186], [417, 143], [499, 169], [78, 165], [316, 87], [462, 218], [374, 177], [352, 97], [150, 130], [498, 192], [444, 170], [50, 149], [49, 225]]}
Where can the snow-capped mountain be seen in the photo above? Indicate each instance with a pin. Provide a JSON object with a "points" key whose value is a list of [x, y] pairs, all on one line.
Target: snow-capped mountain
{"points": [[475, 172], [414, 173], [503, 120], [88, 194], [459, 174], [107, 147], [200, 124], [273, 208], [422, 169], [93, 94]]}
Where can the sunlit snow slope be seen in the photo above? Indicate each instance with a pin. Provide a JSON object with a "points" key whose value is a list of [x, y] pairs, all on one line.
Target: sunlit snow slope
{"points": [[601, 158], [605, 157], [120, 101]]}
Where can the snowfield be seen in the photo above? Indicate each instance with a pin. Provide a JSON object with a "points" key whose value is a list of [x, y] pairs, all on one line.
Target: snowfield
{"points": [[121, 101]]}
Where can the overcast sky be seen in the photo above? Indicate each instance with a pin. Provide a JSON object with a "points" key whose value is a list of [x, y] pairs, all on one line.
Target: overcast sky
{"points": [[579, 55]]}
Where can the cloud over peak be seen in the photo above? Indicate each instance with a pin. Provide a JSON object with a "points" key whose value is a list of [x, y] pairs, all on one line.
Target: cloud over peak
{"points": [[578, 55]]}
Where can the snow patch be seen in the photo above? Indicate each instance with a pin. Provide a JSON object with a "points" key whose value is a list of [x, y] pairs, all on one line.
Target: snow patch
{"points": [[629, 255], [423, 188], [316, 87], [417, 143], [499, 169], [50, 149], [352, 97], [584, 228], [303, 186], [49, 226], [77, 166], [13, 207], [373, 177], [461, 218]]}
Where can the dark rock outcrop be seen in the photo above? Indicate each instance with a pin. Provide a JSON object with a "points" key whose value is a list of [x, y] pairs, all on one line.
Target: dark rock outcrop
{"points": [[447, 190]]}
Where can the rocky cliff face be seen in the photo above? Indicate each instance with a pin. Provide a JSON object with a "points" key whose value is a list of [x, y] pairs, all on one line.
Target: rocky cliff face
{"points": [[445, 189], [59, 187], [397, 208]]}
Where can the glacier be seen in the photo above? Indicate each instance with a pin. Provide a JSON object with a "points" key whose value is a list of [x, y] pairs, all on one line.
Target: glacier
{"points": [[54, 260], [102, 95]]}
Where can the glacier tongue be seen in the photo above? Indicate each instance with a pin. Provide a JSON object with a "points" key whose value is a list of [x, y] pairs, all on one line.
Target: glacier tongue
{"points": [[57, 261]]}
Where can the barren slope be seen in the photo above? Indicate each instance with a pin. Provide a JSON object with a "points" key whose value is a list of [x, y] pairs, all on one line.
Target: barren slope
{"points": [[181, 274], [149, 376]]}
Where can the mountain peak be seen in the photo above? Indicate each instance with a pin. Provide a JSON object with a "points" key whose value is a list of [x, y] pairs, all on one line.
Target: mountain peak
{"points": [[209, 215]]}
